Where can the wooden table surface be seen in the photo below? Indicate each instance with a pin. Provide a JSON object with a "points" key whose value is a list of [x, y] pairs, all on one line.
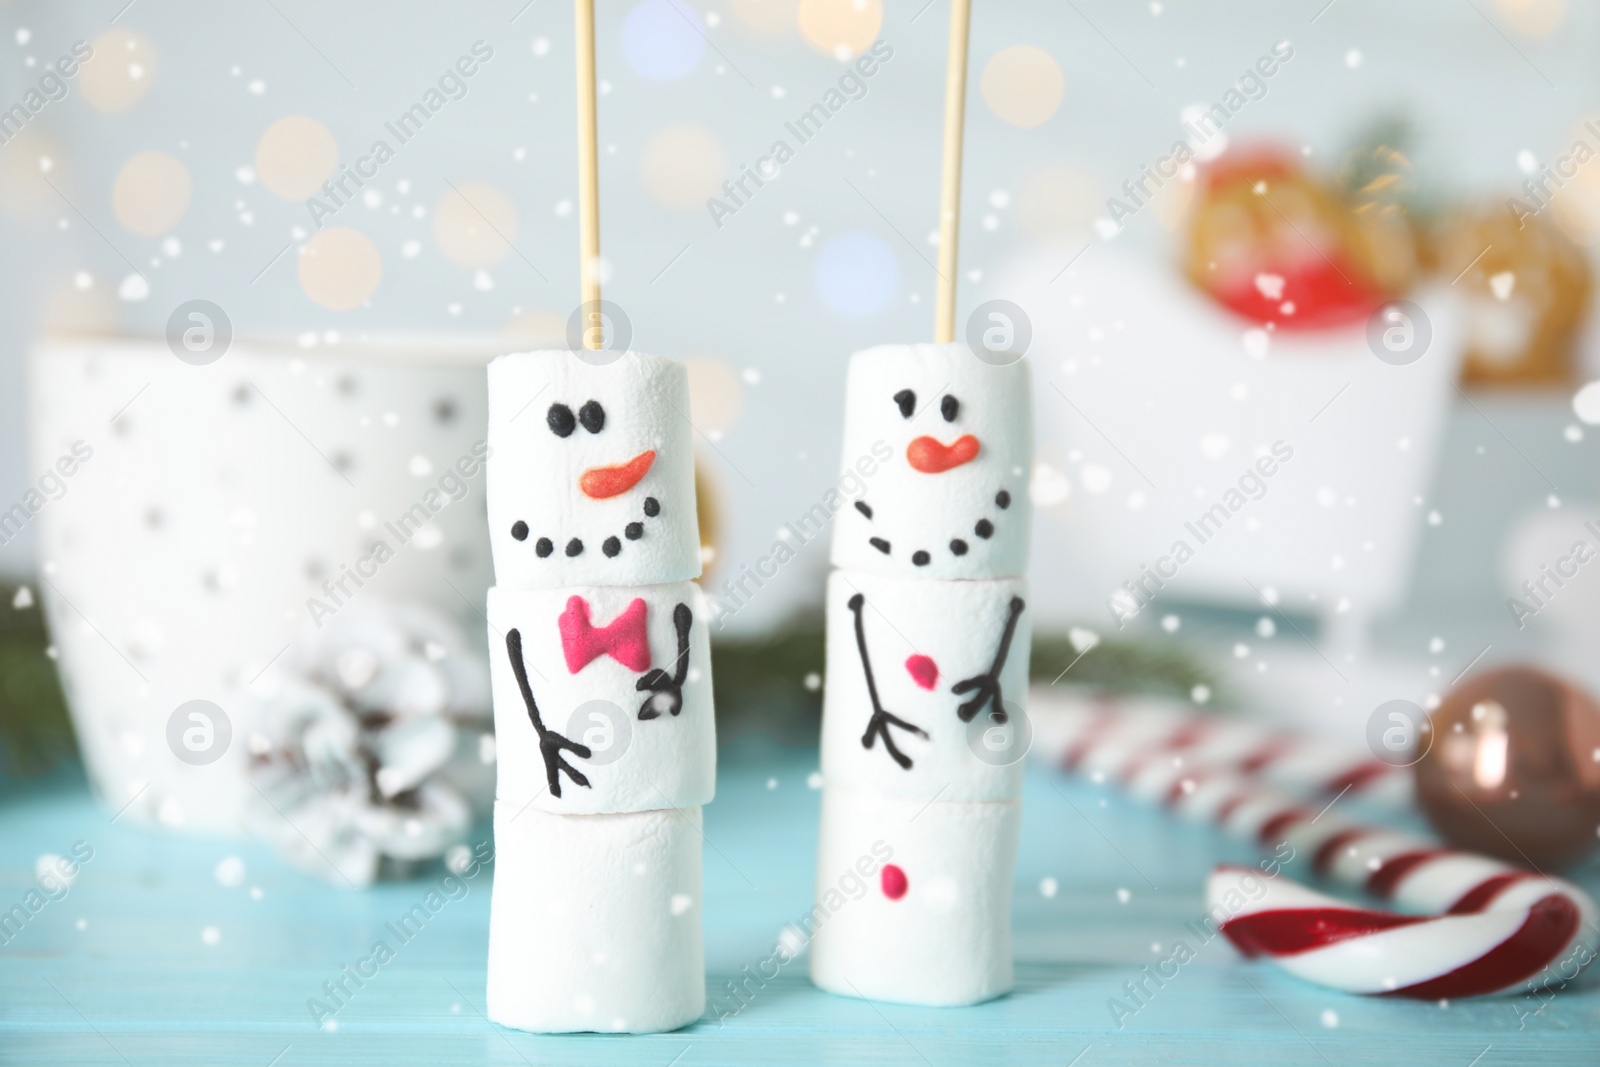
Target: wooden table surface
{"points": [[149, 959]]}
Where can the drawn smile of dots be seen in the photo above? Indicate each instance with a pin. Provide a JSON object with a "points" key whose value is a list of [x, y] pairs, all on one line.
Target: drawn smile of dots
{"points": [[983, 528], [611, 546], [597, 483]]}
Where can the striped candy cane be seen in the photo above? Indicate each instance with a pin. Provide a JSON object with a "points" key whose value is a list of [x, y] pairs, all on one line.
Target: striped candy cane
{"points": [[1486, 926], [1116, 737]]}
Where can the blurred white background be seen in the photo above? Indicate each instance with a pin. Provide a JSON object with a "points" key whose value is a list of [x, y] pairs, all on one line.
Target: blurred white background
{"points": [[1068, 102]]}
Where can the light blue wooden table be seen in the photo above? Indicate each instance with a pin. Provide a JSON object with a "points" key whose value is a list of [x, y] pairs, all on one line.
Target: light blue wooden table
{"points": [[149, 960]]}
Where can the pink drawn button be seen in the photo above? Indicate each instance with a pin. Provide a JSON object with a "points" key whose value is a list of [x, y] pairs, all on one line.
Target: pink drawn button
{"points": [[923, 670]]}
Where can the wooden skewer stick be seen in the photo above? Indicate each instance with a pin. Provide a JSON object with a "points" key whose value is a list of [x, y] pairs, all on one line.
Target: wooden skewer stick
{"points": [[588, 181], [955, 113]]}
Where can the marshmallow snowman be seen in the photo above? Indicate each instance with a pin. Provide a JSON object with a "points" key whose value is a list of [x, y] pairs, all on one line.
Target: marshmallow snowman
{"points": [[601, 677], [898, 649], [594, 922], [923, 726], [934, 927], [953, 500], [590, 475], [604, 695]]}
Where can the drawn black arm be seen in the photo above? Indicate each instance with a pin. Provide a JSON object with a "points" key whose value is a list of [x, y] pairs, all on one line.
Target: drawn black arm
{"points": [[550, 742], [986, 686], [659, 683], [881, 719]]}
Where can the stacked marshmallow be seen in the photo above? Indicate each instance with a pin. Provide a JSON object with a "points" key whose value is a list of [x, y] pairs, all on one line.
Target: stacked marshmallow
{"points": [[928, 630], [601, 679]]}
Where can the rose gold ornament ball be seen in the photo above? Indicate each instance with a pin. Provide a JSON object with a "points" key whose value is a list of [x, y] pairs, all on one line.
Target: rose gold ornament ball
{"points": [[1514, 768]]}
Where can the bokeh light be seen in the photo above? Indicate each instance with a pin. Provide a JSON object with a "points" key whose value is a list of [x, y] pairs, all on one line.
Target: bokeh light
{"points": [[1533, 18], [767, 18], [340, 268], [475, 225], [1586, 403], [83, 311], [857, 274], [1576, 210], [29, 162], [151, 193], [1057, 200], [295, 156], [840, 28], [119, 73], [682, 166], [662, 39], [1022, 85], [1172, 200], [716, 395], [543, 329]]}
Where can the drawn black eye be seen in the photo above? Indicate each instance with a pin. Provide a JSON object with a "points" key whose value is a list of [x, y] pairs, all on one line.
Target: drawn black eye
{"points": [[593, 416], [560, 419], [949, 407], [907, 401]]}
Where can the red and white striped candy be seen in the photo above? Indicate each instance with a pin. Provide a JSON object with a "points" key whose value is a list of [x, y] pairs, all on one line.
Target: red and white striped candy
{"points": [[1526, 938], [1117, 737], [1488, 927]]}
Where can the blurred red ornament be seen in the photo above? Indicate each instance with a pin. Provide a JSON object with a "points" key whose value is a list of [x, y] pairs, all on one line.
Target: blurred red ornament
{"points": [[1514, 768], [1272, 244]]}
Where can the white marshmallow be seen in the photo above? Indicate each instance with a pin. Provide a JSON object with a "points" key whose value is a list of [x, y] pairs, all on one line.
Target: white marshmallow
{"points": [[922, 638], [946, 940], [591, 492], [915, 507], [665, 761], [595, 921]]}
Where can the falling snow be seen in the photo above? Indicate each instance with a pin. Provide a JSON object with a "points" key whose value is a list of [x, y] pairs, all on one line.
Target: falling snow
{"points": [[230, 872]]}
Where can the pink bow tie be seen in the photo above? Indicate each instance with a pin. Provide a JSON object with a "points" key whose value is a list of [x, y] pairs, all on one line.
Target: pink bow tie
{"points": [[624, 640]]}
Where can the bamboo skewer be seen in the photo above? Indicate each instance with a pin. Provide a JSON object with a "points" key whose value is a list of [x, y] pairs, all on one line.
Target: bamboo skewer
{"points": [[588, 181], [955, 112]]}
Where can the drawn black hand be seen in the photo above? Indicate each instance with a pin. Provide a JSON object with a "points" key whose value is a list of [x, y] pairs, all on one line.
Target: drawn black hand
{"points": [[986, 686], [665, 693], [550, 746], [666, 690], [550, 742], [878, 725]]}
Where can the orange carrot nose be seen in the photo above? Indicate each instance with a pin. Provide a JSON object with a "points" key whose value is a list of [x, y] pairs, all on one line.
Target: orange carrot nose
{"points": [[930, 457], [603, 482]]}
